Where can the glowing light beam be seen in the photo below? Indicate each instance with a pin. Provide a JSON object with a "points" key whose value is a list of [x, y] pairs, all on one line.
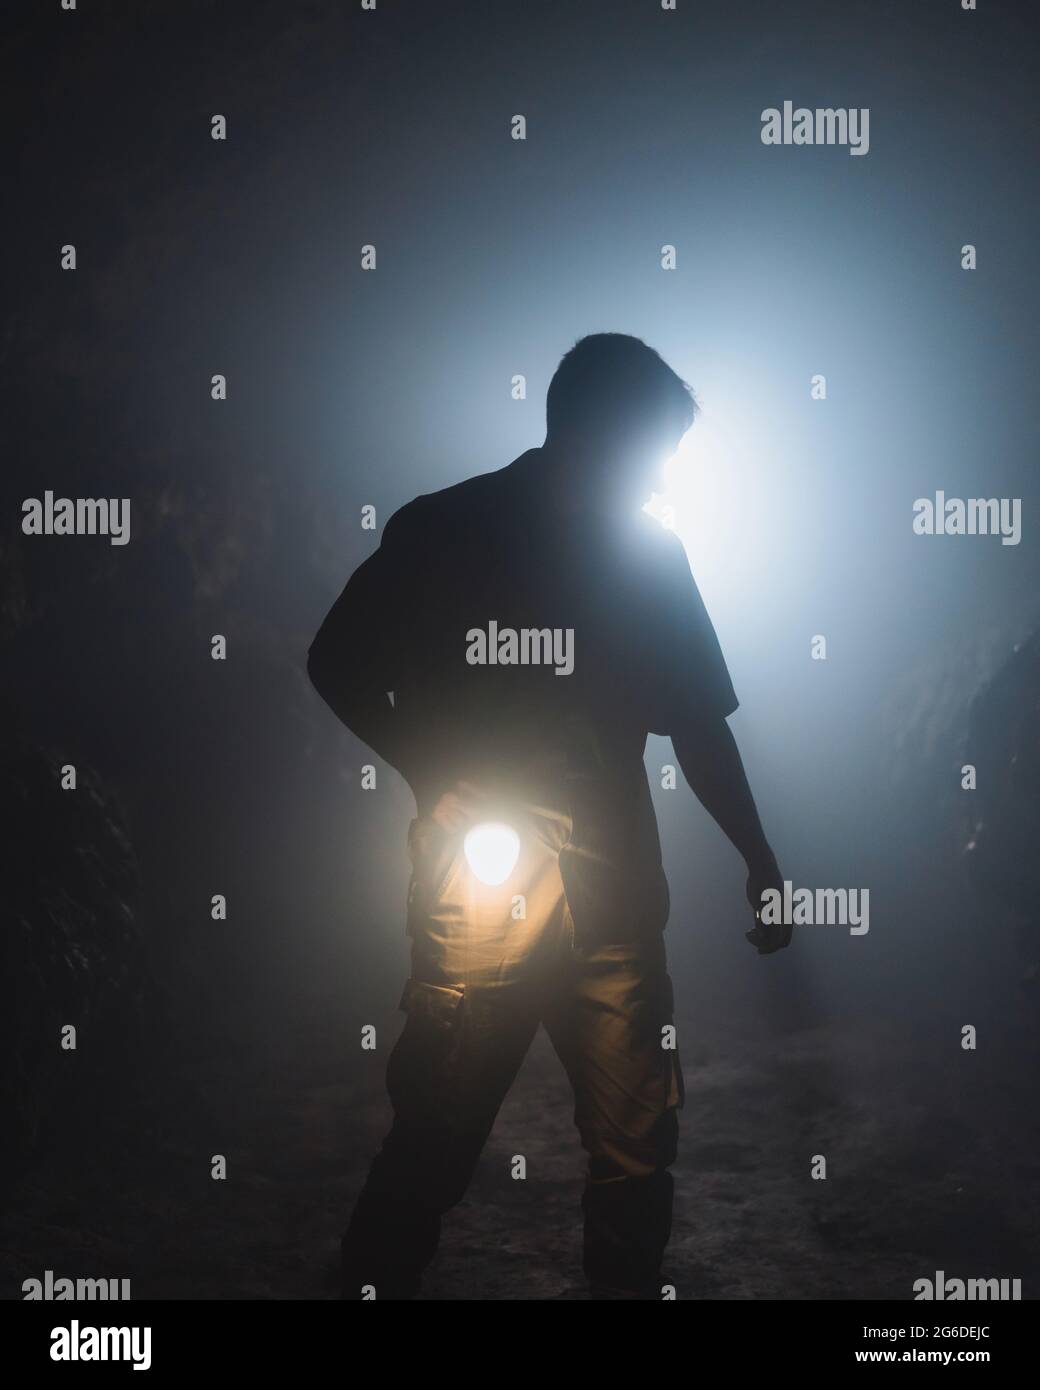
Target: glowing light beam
{"points": [[492, 850]]}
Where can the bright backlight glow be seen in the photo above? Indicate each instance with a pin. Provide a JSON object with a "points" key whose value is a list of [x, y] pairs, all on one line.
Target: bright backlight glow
{"points": [[733, 503], [491, 851]]}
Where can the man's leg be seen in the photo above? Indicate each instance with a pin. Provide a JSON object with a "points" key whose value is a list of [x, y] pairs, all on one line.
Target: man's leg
{"points": [[447, 1077], [473, 1006], [607, 1027]]}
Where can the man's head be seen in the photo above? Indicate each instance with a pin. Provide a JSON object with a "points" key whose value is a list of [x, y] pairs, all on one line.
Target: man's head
{"points": [[616, 411]]}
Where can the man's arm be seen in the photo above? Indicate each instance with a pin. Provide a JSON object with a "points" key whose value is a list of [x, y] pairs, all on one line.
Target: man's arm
{"points": [[712, 765], [696, 696], [352, 661]]}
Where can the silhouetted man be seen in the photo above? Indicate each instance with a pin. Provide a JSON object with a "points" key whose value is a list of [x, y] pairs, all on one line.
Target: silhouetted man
{"points": [[508, 648]]}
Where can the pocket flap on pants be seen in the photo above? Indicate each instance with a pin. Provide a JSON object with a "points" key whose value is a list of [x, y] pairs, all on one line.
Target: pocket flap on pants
{"points": [[437, 1004]]}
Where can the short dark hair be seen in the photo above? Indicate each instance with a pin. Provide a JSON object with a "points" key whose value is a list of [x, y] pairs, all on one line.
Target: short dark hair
{"points": [[610, 378]]}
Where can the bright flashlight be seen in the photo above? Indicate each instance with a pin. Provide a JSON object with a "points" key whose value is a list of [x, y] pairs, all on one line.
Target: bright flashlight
{"points": [[492, 851]]}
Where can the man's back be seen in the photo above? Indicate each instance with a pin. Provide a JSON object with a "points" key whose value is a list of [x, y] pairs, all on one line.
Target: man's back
{"points": [[530, 652]]}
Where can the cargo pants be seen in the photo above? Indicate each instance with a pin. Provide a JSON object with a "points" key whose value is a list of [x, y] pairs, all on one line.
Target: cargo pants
{"points": [[489, 964]]}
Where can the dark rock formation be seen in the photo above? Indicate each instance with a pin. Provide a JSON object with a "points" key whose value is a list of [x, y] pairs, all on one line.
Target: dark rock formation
{"points": [[70, 951]]}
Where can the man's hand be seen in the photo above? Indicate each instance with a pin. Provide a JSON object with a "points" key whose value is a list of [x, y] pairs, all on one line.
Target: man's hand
{"points": [[458, 809], [766, 937]]}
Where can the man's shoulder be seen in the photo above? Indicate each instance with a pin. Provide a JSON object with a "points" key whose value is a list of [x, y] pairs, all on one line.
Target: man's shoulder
{"points": [[660, 547], [460, 504]]}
